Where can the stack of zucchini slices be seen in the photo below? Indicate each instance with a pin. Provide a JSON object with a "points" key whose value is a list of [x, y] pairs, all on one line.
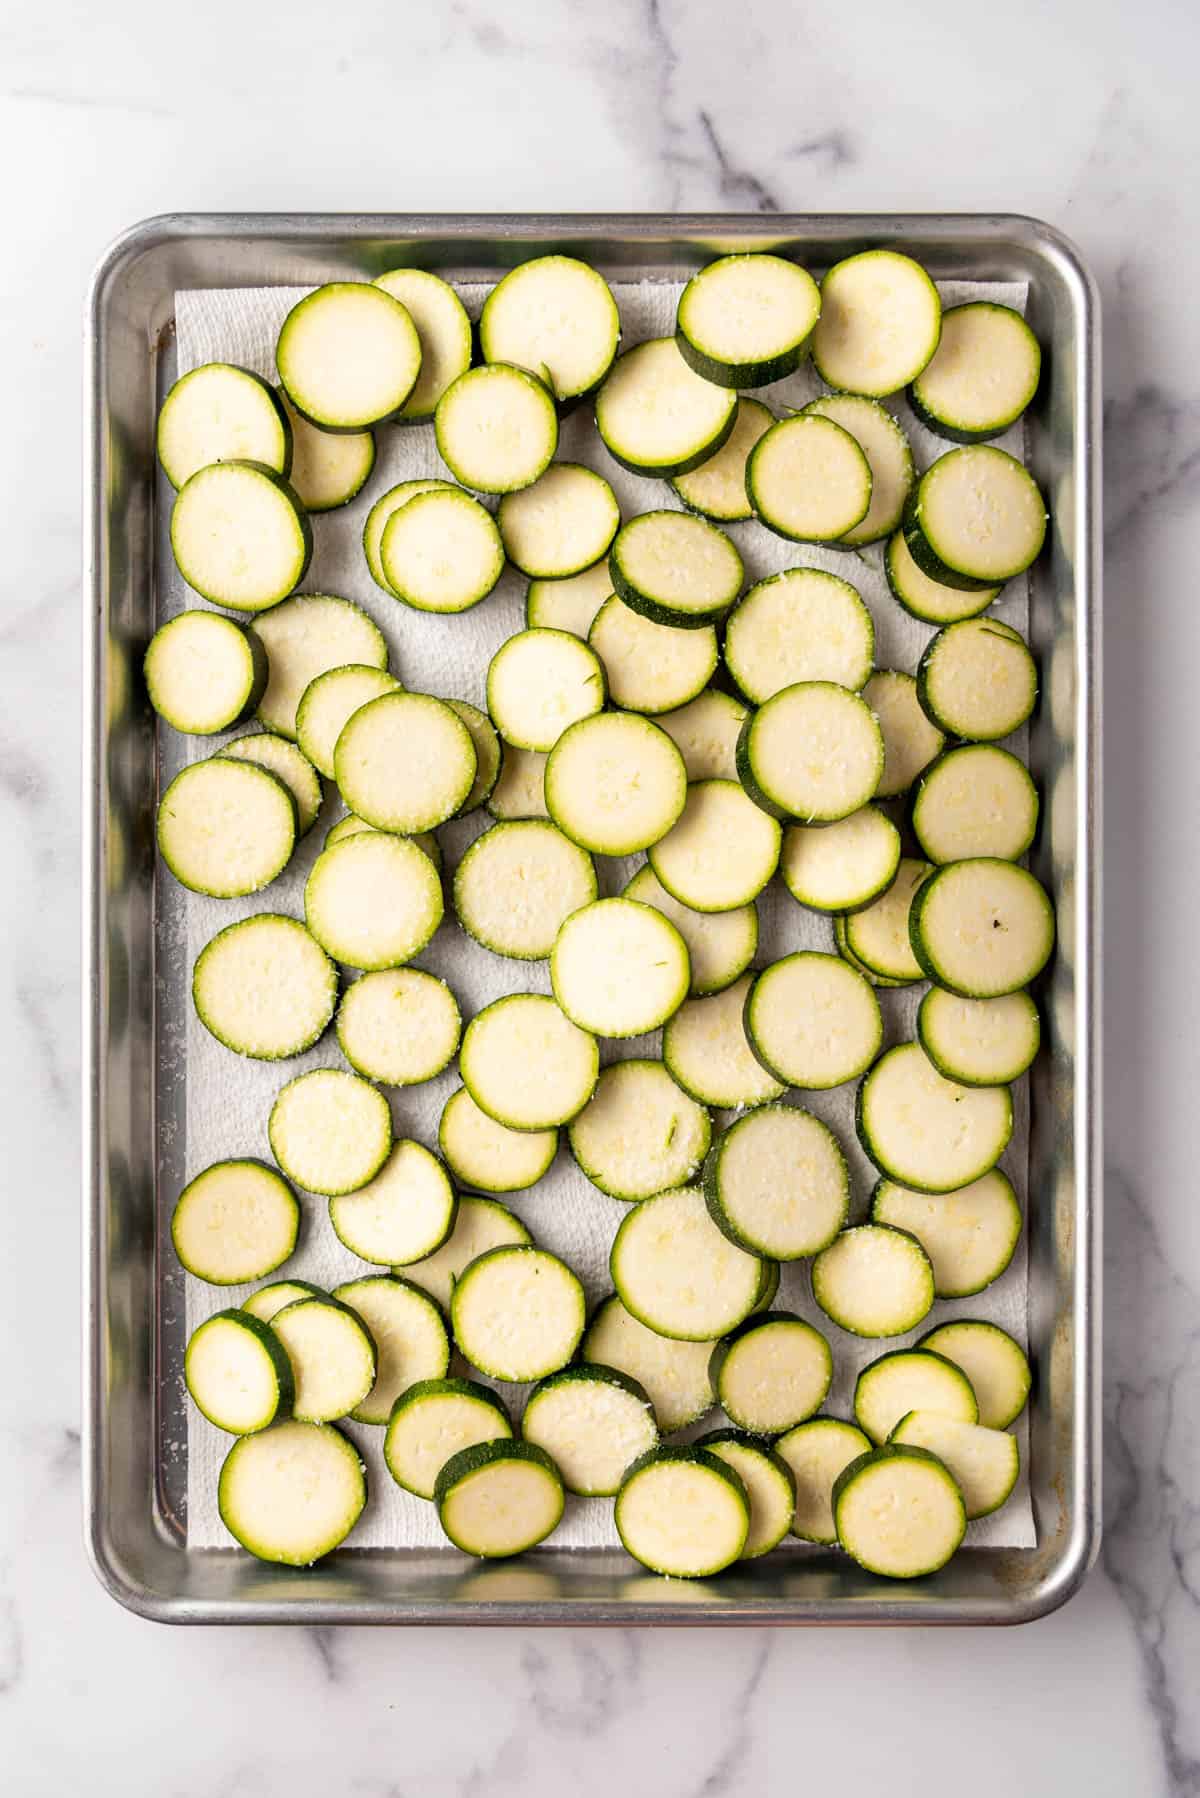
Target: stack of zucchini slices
{"points": [[654, 703]]}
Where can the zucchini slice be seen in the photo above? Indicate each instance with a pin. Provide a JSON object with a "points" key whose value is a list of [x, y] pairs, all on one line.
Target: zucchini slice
{"points": [[329, 1131], [518, 1313], [889, 457], [898, 1512], [615, 783], [240, 535], [489, 753], [873, 1281], [330, 701], [292, 1493], [403, 1214], [650, 667], [978, 680], [480, 1224], [594, 1422], [541, 682], [236, 1221], [814, 752], [677, 1273], [562, 524], [238, 1373], [877, 936], [928, 1132], [722, 851], [995, 1365], [348, 356], [927, 599], [373, 900], [333, 1356], [350, 826], [816, 1452], [720, 945], [288, 764], [717, 488], [770, 1487], [813, 1021], [304, 638], [444, 332], [983, 375], [910, 740], [880, 322], [481, 1152], [673, 1373], [409, 1336], [982, 928], [526, 1064], [773, 1372], [984, 1463], [499, 1498], [405, 762], [745, 321], [683, 1512], [496, 429], [906, 1380], [656, 416], [847, 954], [675, 568], [557, 314], [440, 551], [706, 733], [639, 1133], [707, 1054], [378, 516], [518, 883], [434, 1419], [222, 413], [328, 467], [979, 1042], [776, 1183], [841, 867], [569, 603], [264, 1303], [520, 789], [264, 987], [975, 800], [204, 673], [226, 828], [619, 968], [976, 519], [808, 480], [801, 625], [969, 1235]]}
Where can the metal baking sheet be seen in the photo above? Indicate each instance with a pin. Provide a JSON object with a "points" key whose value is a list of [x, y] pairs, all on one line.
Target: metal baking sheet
{"points": [[132, 1330]]}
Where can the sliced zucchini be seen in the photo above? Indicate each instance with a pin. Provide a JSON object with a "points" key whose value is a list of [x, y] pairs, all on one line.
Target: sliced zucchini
{"points": [[676, 569], [706, 733], [499, 1498], [984, 1463], [330, 701], [813, 1021], [292, 1493], [656, 416], [677, 1273], [745, 321], [801, 625], [440, 551], [405, 762], [720, 945], [984, 374], [717, 488], [906, 1380], [378, 516], [970, 1235], [403, 1214], [978, 680], [434, 1419], [348, 356], [706, 1051], [479, 1225], [927, 599], [373, 900], [841, 867], [489, 753], [910, 741], [975, 800], [776, 1183], [409, 1336], [673, 1373], [639, 1133], [350, 826], [813, 752], [330, 1132], [816, 1452], [898, 1512], [619, 968], [568, 604], [444, 331], [770, 1487], [982, 928], [721, 853], [226, 828], [238, 1373], [995, 1365], [615, 783], [288, 764], [484, 1153], [333, 1357], [541, 682], [204, 673], [880, 323], [928, 1132], [518, 883], [304, 638], [562, 524], [683, 1512], [526, 1064], [889, 457], [236, 1221], [594, 1422], [847, 954], [328, 467], [873, 1281], [496, 429], [650, 667], [264, 987], [240, 535], [772, 1373], [264, 1303], [976, 519], [808, 480], [519, 791], [877, 936], [222, 413], [518, 1312], [557, 314], [979, 1042]]}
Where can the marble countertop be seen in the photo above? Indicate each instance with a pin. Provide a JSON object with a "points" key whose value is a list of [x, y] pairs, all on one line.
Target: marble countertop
{"points": [[1074, 113]]}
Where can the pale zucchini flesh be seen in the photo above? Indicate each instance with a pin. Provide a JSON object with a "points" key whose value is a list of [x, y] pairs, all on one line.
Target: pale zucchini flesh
{"points": [[722, 851], [306, 637], [539, 683], [677, 1273], [499, 1498], [889, 458], [928, 1132], [813, 1021], [978, 680], [673, 1373], [226, 828], [288, 764], [706, 1051], [841, 867], [873, 1281], [517, 885], [776, 1182], [982, 928], [877, 936], [970, 1235], [979, 1042], [403, 1214], [333, 1357], [615, 783], [983, 375], [240, 535], [656, 416], [484, 1153], [976, 519], [560, 525], [373, 901], [553, 314], [292, 1493], [808, 480], [221, 413], [518, 1313], [773, 1373], [923, 597], [593, 1422], [348, 356], [520, 789], [409, 1334], [526, 1064], [975, 800], [441, 551], [847, 954], [817, 1452], [619, 968], [328, 467], [706, 733], [479, 1225], [717, 488], [264, 1303], [235, 1221], [264, 987], [984, 1463], [814, 753], [802, 625], [682, 1512], [639, 1133], [330, 701], [434, 1419], [720, 945], [650, 668], [443, 330], [745, 320], [329, 1131], [899, 1512], [405, 763], [237, 1373], [911, 741], [569, 603], [378, 516], [496, 428], [880, 322], [770, 1486], [203, 673], [907, 1380], [489, 753], [995, 1365], [675, 568]]}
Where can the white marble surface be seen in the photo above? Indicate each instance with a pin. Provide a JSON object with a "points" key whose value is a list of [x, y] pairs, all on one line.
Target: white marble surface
{"points": [[1084, 114]]}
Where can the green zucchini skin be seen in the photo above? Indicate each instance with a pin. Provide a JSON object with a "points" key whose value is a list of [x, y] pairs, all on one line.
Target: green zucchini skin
{"points": [[911, 604], [928, 959], [944, 427], [749, 1326], [284, 1193], [281, 1367], [276, 1551], [303, 526], [876, 1457], [748, 372], [659, 611], [271, 393], [756, 1445], [930, 563], [476, 1459], [256, 674], [695, 1457]]}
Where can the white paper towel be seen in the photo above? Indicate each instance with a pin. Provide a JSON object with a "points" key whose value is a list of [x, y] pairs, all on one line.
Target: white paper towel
{"points": [[228, 1098]]}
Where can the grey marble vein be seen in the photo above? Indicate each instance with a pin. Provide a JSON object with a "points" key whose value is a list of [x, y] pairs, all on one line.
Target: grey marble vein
{"points": [[725, 1774]]}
